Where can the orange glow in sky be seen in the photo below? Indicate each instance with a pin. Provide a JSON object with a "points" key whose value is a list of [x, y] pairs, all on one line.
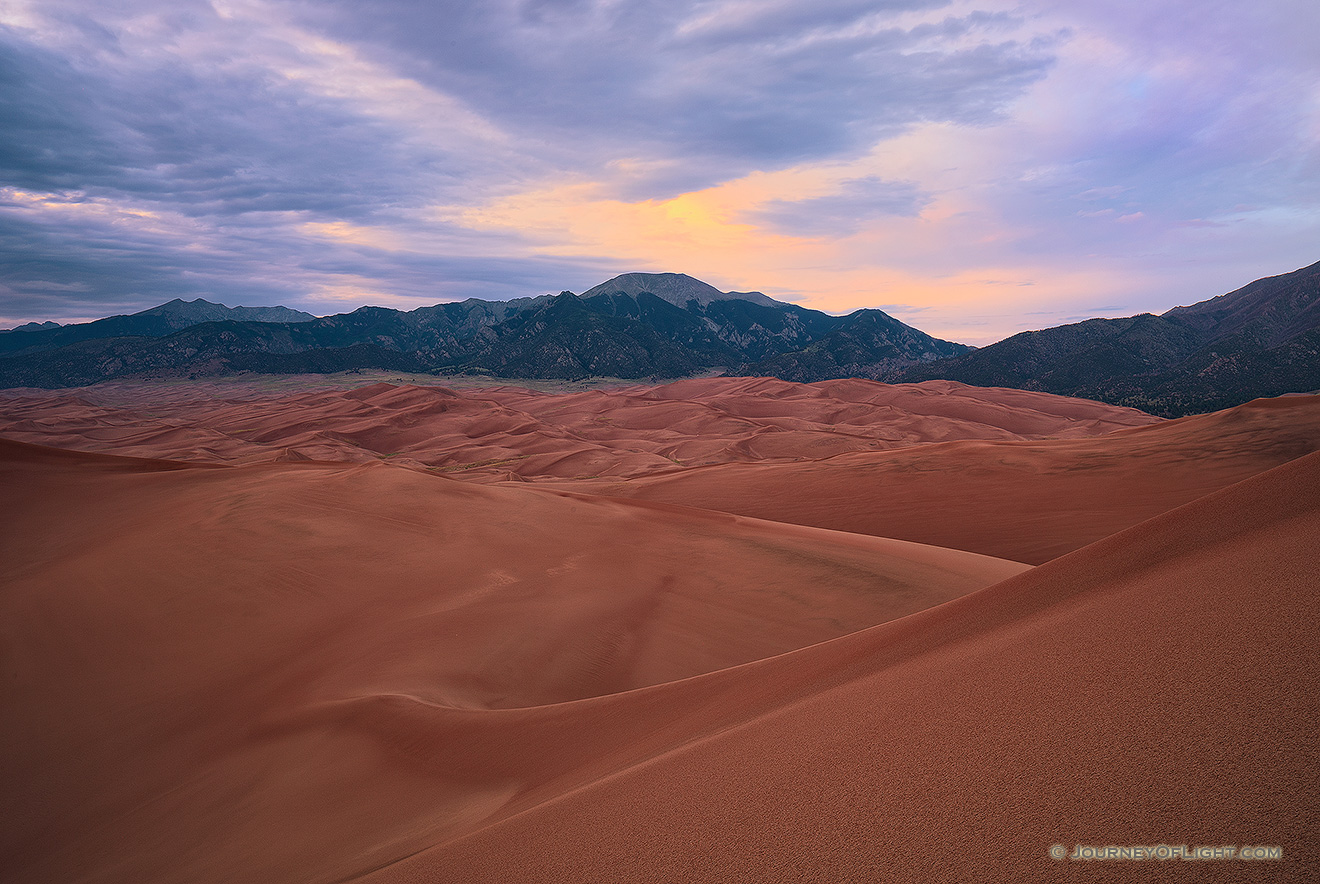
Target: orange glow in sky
{"points": [[973, 167]]}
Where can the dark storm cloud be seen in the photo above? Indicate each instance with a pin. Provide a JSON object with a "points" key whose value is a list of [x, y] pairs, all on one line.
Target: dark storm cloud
{"points": [[77, 273], [51, 137], [125, 182]]}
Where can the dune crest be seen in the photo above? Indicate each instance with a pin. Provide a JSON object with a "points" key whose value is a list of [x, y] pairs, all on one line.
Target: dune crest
{"points": [[1029, 501], [377, 635], [180, 635], [494, 433], [1156, 687]]}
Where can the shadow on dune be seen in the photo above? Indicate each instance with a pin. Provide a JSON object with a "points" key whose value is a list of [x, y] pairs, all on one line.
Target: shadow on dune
{"points": [[334, 671]]}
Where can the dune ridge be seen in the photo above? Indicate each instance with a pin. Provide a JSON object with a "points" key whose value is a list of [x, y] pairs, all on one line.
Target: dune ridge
{"points": [[293, 755], [178, 636], [495, 433], [1029, 501], [1005, 473], [934, 747], [313, 662]]}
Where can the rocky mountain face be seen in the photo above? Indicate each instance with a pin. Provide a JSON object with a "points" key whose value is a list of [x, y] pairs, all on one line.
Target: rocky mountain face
{"points": [[867, 344], [1272, 311], [1260, 340], [620, 328], [181, 314]]}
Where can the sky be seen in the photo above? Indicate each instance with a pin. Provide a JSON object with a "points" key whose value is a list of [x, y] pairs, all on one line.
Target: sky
{"points": [[974, 168]]}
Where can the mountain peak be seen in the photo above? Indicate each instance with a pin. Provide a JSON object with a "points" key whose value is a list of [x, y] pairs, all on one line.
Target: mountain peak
{"points": [[177, 305], [202, 310], [676, 288], [31, 326]]}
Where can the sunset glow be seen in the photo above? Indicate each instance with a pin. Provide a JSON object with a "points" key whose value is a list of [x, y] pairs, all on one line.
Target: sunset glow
{"points": [[973, 168]]}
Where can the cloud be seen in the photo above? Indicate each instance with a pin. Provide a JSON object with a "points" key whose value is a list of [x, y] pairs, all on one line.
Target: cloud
{"points": [[184, 156], [312, 152], [79, 256], [840, 214], [235, 149], [205, 139], [718, 88]]}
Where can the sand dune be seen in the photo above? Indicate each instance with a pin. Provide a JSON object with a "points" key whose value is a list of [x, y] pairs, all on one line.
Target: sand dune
{"points": [[498, 433], [1006, 473], [320, 673], [193, 654], [415, 634], [1025, 501], [1157, 687]]}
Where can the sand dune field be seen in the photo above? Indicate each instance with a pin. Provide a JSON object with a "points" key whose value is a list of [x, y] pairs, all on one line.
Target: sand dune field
{"points": [[719, 630]]}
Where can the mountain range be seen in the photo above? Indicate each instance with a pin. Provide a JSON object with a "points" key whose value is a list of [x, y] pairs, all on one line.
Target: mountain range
{"points": [[1260, 340], [152, 323], [633, 326]]}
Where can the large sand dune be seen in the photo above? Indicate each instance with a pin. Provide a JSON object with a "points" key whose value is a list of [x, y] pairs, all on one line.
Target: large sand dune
{"points": [[177, 636], [497, 433], [1020, 500], [1006, 473], [1158, 687], [430, 650]]}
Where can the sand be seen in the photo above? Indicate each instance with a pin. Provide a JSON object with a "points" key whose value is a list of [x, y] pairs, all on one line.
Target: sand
{"points": [[265, 649], [1157, 687], [175, 636], [1020, 500], [497, 433]]}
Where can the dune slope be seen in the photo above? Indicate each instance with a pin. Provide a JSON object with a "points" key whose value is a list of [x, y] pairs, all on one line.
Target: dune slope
{"points": [[298, 672], [1006, 473], [1020, 500], [496, 433], [1159, 686], [362, 669]]}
